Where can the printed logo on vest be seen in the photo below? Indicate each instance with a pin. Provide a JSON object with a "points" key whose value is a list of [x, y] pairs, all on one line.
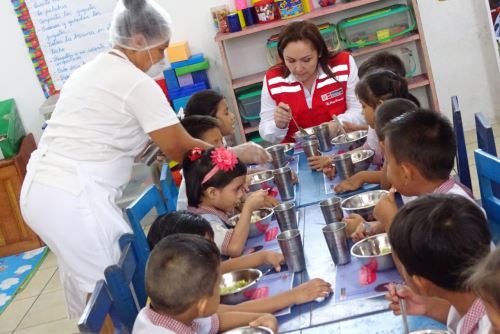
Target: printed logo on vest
{"points": [[332, 94]]}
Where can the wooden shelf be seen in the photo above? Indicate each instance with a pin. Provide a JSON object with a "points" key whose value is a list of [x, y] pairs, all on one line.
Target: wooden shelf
{"points": [[418, 81], [251, 129], [258, 77], [308, 16]]}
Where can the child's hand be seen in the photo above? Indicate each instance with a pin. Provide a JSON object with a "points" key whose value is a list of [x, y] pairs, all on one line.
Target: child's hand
{"points": [[330, 171], [319, 162], [415, 304], [255, 200], [386, 209], [359, 234], [350, 184], [311, 290], [353, 221], [348, 126], [295, 178], [272, 258], [270, 202], [267, 320]]}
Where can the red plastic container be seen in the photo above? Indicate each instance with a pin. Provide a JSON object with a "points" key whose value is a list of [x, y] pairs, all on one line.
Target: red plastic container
{"points": [[267, 11]]}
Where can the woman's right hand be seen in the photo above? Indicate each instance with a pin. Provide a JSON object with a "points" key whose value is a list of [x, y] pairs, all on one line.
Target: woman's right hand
{"points": [[282, 115], [415, 304]]}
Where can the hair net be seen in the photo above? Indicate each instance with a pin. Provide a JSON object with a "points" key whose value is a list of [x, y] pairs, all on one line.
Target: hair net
{"points": [[135, 18]]}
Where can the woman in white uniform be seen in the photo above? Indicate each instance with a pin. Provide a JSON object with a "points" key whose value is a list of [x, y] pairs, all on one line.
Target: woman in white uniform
{"points": [[107, 111]]}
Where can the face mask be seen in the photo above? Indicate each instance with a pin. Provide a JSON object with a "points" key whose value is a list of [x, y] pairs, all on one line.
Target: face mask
{"points": [[156, 69]]}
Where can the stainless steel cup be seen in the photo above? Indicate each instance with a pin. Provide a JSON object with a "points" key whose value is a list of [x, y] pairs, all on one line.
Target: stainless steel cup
{"points": [[322, 132], [286, 216], [278, 158], [311, 148], [283, 179], [343, 165], [336, 240], [293, 252], [331, 209]]}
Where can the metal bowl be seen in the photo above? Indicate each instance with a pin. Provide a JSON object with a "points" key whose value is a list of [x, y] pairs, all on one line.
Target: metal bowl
{"points": [[349, 141], [261, 180], [300, 138], [237, 296], [257, 227], [362, 159], [430, 331], [250, 330], [375, 250], [363, 203]]}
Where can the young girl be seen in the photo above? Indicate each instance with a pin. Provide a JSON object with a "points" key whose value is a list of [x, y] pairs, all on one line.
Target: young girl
{"points": [[372, 90], [215, 183]]}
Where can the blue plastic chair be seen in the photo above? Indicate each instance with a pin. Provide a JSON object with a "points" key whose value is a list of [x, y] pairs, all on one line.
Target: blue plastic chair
{"points": [[462, 160], [98, 307], [486, 142], [168, 188], [126, 282], [488, 172], [149, 199]]}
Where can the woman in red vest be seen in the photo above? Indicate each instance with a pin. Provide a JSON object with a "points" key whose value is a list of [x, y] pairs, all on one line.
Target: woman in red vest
{"points": [[310, 83]]}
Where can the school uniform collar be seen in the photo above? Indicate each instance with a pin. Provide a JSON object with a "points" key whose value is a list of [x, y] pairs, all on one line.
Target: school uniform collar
{"points": [[473, 316], [164, 321], [204, 209], [447, 185]]}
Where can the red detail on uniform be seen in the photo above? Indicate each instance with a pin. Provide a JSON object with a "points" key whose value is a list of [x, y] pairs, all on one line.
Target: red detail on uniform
{"points": [[322, 109]]}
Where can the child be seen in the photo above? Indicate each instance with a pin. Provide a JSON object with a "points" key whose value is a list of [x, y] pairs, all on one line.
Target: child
{"points": [[215, 181], [180, 305], [385, 60], [186, 222], [385, 113], [420, 153], [434, 240], [484, 280]]}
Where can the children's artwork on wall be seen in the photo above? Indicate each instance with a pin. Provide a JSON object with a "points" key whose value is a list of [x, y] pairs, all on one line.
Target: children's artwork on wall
{"points": [[62, 35]]}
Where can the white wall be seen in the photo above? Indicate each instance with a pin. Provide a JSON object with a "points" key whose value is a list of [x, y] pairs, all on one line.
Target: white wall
{"points": [[462, 55]]}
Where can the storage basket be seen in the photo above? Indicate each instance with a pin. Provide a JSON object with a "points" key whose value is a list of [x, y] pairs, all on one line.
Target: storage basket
{"points": [[249, 103], [11, 129], [375, 27]]}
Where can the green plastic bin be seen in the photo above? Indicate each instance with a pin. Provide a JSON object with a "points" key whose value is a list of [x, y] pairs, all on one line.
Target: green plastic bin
{"points": [[11, 129]]}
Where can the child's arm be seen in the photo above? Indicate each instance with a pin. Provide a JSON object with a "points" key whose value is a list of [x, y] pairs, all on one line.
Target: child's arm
{"points": [[230, 320], [319, 162], [253, 260], [304, 293], [358, 179], [386, 209], [255, 201], [384, 182]]}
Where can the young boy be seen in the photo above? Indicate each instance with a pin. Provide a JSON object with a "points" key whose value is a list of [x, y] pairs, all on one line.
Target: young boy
{"points": [[434, 241], [385, 60], [187, 222], [180, 305], [485, 282], [420, 153]]}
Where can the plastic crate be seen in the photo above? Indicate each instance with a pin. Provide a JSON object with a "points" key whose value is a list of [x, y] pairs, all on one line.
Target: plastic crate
{"points": [[375, 27], [327, 30], [11, 129], [249, 103]]}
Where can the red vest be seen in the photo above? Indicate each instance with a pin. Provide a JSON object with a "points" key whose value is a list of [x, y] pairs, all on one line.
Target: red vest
{"points": [[329, 96]]}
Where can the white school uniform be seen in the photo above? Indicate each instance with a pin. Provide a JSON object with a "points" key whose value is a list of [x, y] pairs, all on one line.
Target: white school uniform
{"points": [[476, 320], [84, 158]]}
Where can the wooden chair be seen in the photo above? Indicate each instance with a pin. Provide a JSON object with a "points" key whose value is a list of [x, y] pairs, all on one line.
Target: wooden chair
{"points": [[98, 307], [168, 188], [462, 160], [149, 199], [488, 172], [126, 282]]}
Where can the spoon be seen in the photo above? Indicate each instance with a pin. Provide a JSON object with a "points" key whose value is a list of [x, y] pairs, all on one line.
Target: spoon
{"points": [[336, 119], [402, 307], [302, 131]]}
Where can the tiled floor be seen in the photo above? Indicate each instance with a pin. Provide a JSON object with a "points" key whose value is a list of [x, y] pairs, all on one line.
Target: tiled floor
{"points": [[40, 308]]}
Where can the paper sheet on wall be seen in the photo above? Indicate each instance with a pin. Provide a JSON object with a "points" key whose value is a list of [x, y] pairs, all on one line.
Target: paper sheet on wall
{"points": [[70, 32]]}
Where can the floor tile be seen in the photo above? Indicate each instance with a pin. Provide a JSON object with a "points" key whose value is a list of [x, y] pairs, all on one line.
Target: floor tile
{"points": [[48, 307], [37, 283], [54, 283], [64, 326], [14, 313], [50, 261]]}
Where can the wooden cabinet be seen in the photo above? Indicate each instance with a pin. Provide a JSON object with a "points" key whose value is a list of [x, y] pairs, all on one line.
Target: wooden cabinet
{"points": [[244, 61], [15, 235]]}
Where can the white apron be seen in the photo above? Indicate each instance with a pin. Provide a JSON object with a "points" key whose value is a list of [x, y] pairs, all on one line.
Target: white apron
{"points": [[83, 229]]}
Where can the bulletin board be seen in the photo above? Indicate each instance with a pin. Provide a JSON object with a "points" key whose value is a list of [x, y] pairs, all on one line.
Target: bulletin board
{"points": [[62, 35]]}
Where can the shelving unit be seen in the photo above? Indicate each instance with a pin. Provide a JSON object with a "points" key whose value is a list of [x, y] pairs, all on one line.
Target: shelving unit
{"points": [[229, 41]]}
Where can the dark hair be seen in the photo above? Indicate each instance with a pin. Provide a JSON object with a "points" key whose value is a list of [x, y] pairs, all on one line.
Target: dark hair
{"points": [[438, 237], [389, 110], [426, 140], [195, 171], [304, 31], [203, 103], [197, 125], [382, 84], [381, 60], [178, 222], [484, 278], [181, 270]]}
